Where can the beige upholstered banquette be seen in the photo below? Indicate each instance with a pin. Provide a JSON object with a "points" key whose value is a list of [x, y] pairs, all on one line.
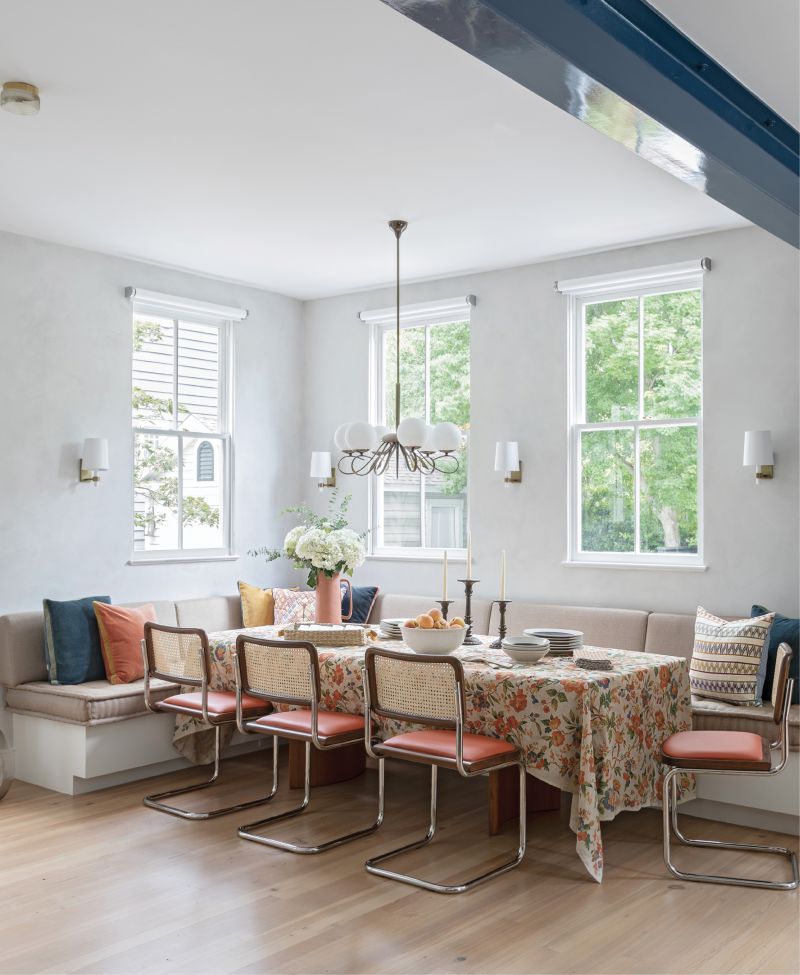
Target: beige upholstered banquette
{"points": [[23, 673]]}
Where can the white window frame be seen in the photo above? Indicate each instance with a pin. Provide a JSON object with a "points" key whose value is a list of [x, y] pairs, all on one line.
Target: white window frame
{"points": [[426, 314], [202, 313], [587, 291]]}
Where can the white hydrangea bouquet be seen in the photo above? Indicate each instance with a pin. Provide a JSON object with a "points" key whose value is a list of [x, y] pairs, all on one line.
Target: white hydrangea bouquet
{"points": [[321, 544]]}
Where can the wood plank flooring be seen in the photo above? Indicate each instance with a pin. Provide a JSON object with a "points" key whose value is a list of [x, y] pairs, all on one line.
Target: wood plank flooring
{"points": [[98, 883]]}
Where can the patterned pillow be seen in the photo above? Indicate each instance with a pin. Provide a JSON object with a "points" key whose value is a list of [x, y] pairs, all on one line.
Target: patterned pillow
{"points": [[729, 659], [294, 606]]}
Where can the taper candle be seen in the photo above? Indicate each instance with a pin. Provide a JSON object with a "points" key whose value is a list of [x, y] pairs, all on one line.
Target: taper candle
{"points": [[503, 574], [444, 580], [469, 555]]}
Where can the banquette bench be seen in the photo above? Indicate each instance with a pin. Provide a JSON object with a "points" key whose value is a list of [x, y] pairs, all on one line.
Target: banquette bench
{"points": [[76, 738]]}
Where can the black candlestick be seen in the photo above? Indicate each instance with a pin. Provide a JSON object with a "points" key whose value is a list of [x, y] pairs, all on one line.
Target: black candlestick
{"points": [[498, 643], [469, 640], [445, 604]]}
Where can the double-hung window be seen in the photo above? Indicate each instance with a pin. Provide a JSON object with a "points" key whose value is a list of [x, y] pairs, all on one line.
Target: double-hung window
{"points": [[418, 514], [181, 434], [636, 417]]}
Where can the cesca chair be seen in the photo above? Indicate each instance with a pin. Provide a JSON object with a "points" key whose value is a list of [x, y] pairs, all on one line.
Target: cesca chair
{"points": [[287, 672], [729, 753], [181, 655], [429, 689]]}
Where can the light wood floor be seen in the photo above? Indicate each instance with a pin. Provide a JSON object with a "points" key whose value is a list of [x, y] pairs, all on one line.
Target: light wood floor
{"points": [[101, 884]]}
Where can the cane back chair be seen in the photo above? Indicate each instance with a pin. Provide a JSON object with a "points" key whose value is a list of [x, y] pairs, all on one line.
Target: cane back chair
{"points": [[429, 689], [181, 655], [287, 672], [730, 753]]}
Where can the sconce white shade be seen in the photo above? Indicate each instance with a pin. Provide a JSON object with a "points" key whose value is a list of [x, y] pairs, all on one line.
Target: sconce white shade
{"points": [[757, 448], [95, 454], [320, 464], [506, 456]]}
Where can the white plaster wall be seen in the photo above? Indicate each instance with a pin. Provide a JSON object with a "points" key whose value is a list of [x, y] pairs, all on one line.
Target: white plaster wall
{"points": [[519, 384], [65, 353]]}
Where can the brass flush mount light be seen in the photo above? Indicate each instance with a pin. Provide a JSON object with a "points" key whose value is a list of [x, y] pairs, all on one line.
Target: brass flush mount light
{"points": [[20, 98]]}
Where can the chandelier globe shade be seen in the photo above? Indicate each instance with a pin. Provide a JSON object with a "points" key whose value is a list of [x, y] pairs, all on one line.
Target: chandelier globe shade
{"points": [[414, 443]]}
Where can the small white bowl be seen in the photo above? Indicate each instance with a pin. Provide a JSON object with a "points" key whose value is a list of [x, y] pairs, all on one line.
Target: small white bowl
{"points": [[433, 641], [525, 649]]}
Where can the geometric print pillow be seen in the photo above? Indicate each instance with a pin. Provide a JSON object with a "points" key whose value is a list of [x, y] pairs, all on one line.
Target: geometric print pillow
{"points": [[294, 606], [729, 659]]}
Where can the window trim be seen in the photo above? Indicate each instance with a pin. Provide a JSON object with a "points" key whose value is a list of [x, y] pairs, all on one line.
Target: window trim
{"points": [[587, 291], [179, 314], [446, 312]]}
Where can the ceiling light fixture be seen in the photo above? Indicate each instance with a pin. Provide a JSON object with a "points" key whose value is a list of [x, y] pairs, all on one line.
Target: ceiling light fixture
{"points": [[424, 449], [20, 98]]}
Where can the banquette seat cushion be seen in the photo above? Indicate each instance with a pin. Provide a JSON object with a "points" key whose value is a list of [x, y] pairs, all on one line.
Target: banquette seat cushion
{"points": [[95, 702]]}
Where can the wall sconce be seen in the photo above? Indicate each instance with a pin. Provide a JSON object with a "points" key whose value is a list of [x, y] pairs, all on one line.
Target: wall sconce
{"points": [[94, 459], [758, 453], [506, 459], [322, 469]]}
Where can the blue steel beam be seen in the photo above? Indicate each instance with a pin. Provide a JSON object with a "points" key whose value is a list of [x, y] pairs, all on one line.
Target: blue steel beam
{"points": [[623, 69]]}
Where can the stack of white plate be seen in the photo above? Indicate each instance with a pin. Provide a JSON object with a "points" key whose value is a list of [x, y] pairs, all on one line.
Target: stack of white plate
{"points": [[562, 642], [391, 629]]}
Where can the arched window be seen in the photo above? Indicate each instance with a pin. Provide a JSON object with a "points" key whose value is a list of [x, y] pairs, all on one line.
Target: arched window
{"points": [[205, 462]]}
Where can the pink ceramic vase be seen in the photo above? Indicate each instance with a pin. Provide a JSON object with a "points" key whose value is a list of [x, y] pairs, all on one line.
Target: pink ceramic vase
{"points": [[329, 599]]}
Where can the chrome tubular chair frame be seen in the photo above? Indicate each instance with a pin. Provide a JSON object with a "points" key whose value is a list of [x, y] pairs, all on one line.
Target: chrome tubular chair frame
{"points": [[373, 864], [250, 830], [155, 801], [670, 814]]}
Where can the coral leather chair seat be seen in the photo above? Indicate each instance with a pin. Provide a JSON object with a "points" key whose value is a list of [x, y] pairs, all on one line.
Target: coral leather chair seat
{"points": [[719, 748]]}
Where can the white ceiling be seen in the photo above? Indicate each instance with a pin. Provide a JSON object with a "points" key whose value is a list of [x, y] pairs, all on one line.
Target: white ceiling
{"points": [[757, 41], [268, 142]]}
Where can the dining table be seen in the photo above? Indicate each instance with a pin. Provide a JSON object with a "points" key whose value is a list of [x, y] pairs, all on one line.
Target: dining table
{"points": [[594, 734]]}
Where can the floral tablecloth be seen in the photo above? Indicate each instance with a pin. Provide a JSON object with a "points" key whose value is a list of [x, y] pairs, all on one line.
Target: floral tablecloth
{"points": [[596, 734]]}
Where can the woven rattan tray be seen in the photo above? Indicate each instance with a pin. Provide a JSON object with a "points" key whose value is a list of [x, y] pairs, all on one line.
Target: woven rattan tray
{"points": [[331, 635]]}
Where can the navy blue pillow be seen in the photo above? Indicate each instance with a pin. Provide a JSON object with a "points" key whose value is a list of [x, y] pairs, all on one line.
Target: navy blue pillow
{"points": [[72, 641], [357, 607], [784, 630]]}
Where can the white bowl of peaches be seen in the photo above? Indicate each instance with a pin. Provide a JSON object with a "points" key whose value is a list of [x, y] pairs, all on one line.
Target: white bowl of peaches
{"points": [[431, 633]]}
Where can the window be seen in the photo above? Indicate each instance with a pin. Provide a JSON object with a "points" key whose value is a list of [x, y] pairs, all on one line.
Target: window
{"points": [[416, 513], [636, 418], [205, 462], [181, 436]]}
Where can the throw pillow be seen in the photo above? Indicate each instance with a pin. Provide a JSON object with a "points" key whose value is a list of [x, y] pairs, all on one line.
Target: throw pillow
{"points": [[294, 606], [784, 630], [357, 603], [72, 640], [121, 634], [729, 659], [258, 605]]}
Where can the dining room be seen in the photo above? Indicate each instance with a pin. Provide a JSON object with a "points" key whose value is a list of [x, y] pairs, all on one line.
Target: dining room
{"points": [[400, 524]]}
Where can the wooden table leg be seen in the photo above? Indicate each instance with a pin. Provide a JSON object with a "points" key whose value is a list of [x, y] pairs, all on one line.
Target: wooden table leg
{"points": [[504, 797], [337, 765]]}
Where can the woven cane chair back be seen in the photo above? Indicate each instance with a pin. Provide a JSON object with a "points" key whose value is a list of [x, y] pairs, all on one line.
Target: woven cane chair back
{"points": [[177, 654], [419, 688], [780, 685], [278, 670]]}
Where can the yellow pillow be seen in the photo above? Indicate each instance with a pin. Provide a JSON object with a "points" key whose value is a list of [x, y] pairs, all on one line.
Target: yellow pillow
{"points": [[258, 606]]}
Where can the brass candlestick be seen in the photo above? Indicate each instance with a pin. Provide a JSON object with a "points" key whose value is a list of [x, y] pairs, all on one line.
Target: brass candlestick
{"points": [[445, 604], [469, 640], [498, 643]]}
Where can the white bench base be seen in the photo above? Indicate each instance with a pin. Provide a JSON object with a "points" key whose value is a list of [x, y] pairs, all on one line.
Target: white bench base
{"points": [[75, 759]]}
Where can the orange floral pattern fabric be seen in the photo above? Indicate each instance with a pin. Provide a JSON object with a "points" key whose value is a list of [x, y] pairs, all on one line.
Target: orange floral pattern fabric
{"points": [[595, 734]]}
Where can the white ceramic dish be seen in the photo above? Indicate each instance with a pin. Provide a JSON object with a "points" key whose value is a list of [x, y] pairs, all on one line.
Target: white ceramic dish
{"points": [[434, 641], [525, 649]]}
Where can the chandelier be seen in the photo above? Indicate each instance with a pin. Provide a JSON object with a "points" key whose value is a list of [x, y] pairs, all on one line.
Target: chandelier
{"points": [[423, 448]]}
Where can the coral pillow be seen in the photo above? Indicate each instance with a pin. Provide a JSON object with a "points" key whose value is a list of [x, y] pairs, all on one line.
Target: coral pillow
{"points": [[121, 634], [294, 606], [258, 605]]}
